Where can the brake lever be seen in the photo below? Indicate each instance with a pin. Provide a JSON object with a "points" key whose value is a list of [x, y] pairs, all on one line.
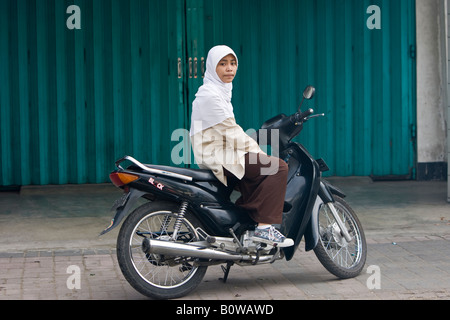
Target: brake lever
{"points": [[315, 116]]}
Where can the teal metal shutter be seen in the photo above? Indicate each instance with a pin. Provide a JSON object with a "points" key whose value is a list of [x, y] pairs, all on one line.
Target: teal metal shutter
{"points": [[365, 79], [73, 101]]}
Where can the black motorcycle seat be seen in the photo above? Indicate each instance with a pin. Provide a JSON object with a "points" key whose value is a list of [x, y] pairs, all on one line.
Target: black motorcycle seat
{"points": [[196, 174]]}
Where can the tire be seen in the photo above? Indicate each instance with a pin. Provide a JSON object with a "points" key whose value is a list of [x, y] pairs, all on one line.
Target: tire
{"points": [[341, 258], [157, 276]]}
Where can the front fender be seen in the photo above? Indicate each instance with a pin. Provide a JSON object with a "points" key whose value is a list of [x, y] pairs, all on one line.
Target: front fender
{"points": [[122, 207], [312, 232], [325, 195], [329, 188]]}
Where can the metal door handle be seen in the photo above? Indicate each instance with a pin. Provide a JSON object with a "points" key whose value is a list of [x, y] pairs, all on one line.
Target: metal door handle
{"points": [[203, 67], [180, 70], [190, 67], [195, 68]]}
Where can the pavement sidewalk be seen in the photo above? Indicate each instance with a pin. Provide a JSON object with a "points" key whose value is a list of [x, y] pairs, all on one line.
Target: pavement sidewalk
{"points": [[48, 234]]}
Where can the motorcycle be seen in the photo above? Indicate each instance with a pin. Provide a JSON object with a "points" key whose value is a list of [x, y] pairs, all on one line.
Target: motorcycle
{"points": [[189, 222]]}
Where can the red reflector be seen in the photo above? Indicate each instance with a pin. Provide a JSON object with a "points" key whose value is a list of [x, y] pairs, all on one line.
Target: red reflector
{"points": [[120, 179]]}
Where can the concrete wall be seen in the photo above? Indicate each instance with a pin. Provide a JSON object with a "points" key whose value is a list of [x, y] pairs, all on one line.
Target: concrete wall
{"points": [[447, 29], [431, 89]]}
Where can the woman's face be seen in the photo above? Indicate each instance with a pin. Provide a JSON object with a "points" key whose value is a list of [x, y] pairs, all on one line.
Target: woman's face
{"points": [[226, 68]]}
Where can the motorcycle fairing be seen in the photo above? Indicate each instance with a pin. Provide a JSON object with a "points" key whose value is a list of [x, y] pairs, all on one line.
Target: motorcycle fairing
{"points": [[303, 186]]}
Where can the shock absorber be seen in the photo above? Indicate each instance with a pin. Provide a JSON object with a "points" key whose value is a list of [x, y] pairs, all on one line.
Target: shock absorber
{"points": [[179, 221]]}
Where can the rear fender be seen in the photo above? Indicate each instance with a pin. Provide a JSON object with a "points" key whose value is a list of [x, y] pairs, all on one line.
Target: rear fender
{"points": [[122, 207]]}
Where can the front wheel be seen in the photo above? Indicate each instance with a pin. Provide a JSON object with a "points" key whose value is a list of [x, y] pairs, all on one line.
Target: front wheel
{"points": [[342, 258], [158, 276]]}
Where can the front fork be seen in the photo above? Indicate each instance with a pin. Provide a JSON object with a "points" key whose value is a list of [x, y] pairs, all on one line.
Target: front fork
{"points": [[339, 221], [325, 197]]}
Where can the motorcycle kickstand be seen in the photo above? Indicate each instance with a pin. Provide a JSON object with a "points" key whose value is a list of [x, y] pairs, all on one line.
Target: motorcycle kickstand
{"points": [[226, 271]]}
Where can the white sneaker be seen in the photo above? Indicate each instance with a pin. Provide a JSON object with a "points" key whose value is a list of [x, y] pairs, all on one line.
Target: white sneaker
{"points": [[270, 235]]}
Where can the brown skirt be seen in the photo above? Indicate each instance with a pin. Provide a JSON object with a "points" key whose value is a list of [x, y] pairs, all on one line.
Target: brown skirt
{"points": [[263, 187]]}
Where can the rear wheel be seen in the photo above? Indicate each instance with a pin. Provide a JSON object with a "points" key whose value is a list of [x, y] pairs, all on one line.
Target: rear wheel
{"points": [[342, 258], [154, 275]]}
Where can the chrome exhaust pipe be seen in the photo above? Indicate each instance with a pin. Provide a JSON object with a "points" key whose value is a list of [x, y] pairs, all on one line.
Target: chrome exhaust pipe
{"points": [[186, 250]]}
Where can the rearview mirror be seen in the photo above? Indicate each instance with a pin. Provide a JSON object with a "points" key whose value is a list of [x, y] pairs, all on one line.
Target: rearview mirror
{"points": [[309, 92]]}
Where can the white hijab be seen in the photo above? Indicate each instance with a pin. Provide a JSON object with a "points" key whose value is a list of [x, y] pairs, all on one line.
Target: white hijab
{"points": [[212, 104]]}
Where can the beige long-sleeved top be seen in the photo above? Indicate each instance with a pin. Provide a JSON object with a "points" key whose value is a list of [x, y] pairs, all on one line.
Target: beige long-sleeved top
{"points": [[223, 145]]}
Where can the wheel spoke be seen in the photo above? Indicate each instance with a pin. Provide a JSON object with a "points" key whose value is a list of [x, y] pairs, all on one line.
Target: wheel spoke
{"points": [[159, 270], [342, 253]]}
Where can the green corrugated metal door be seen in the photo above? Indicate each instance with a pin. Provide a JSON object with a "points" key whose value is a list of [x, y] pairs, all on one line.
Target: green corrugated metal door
{"points": [[365, 78], [72, 101]]}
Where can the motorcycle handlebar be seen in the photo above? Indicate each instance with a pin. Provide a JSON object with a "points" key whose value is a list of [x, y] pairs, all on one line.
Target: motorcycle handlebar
{"points": [[301, 116]]}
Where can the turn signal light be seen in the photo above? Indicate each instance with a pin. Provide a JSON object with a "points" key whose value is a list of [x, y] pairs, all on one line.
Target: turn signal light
{"points": [[120, 179]]}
